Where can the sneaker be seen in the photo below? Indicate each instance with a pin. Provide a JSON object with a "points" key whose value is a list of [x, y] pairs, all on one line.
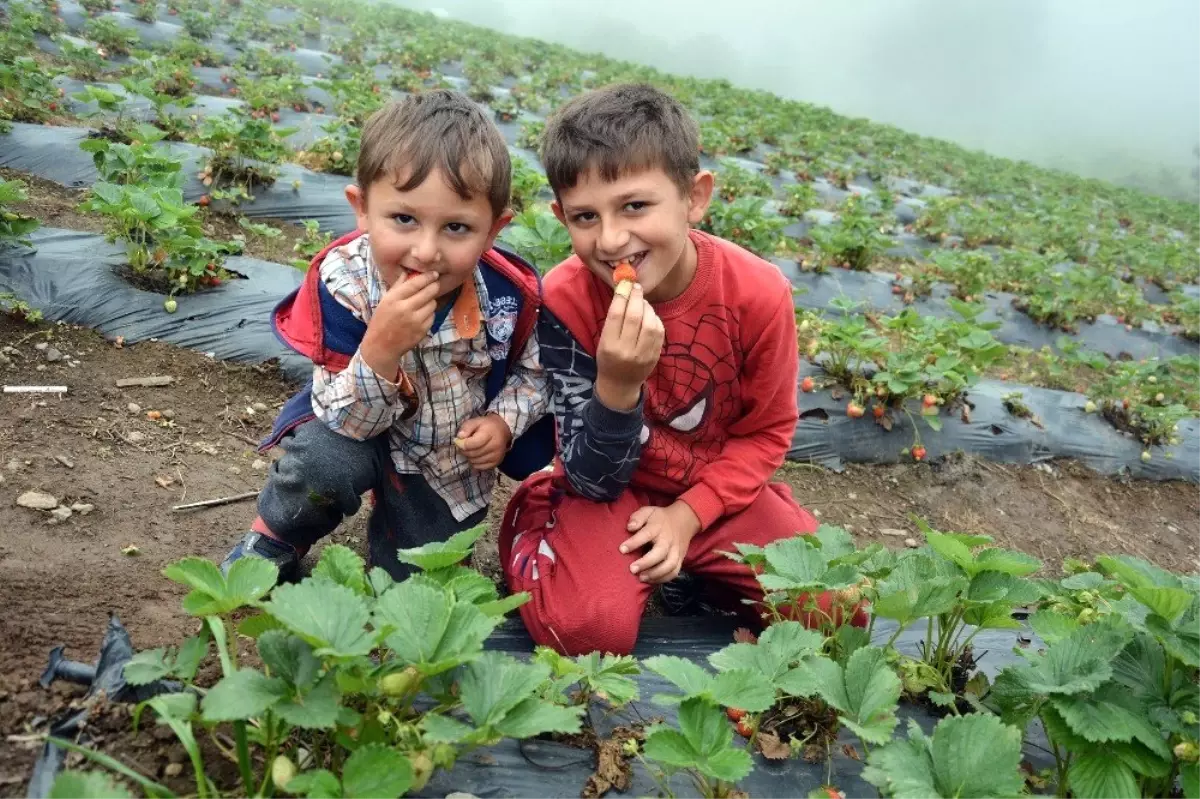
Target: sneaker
{"points": [[257, 545]]}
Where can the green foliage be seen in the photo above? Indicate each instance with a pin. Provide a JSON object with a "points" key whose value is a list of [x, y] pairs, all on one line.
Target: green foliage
{"points": [[746, 223], [527, 184], [14, 227], [854, 241], [538, 237]]}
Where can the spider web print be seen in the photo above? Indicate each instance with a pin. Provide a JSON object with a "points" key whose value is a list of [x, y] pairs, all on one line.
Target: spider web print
{"points": [[693, 396], [599, 471]]}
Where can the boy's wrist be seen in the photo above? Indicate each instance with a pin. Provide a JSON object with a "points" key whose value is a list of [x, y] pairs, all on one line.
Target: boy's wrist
{"points": [[381, 362], [683, 515], [617, 396]]}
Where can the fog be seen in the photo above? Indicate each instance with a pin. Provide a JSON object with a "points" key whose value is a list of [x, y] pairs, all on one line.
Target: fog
{"points": [[1105, 88]]}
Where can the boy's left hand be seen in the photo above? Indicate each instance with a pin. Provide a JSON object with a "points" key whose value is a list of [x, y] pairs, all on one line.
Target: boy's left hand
{"points": [[668, 531], [484, 441]]}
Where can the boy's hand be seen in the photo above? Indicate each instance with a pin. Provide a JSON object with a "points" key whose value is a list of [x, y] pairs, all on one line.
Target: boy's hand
{"points": [[668, 531], [402, 319], [484, 441], [629, 347]]}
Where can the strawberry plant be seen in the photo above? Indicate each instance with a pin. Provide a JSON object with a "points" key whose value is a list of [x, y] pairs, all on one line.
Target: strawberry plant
{"points": [[746, 223], [799, 198], [27, 92], [854, 241], [1116, 686], [11, 305], [146, 11], [109, 103], [505, 108], [108, 33], [14, 227], [734, 181], [367, 686], [311, 244], [244, 150], [538, 237], [530, 137], [94, 7], [336, 153], [81, 61], [198, 24], [1150, 398], [527, 184]]}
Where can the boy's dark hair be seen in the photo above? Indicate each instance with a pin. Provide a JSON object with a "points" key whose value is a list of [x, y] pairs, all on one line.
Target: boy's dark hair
{"points": [[620, 129], [437, 129]]}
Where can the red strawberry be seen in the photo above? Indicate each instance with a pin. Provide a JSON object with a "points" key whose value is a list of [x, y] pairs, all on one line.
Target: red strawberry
{"points": [[735, 714], [918, 453], [878, 411], [204, 201], [806, 385], [744, 729], [274, 116], [929, 400], [854, 410]]}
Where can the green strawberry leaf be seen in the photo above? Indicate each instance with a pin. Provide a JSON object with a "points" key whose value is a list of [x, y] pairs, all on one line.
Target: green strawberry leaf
{"points": [[687, 676], [494, 683], [288, 657], [244, 694], [778, 648], [533, 716], [329, 616], [1006, 561], [967, 756], [147, 666], [1095, 774], [428, 629], [834, 541], [191, 655], [343, 566], [865, 692], [1189, 778], [440, 554], [703, 742], [319, 784], [89, 785], [1110, 714], [1052, 627], [316, 709], [443, 729], [376, 771]]}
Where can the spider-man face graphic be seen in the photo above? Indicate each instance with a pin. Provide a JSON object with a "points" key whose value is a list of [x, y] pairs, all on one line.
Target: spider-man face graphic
{"points": [[693, 396]]}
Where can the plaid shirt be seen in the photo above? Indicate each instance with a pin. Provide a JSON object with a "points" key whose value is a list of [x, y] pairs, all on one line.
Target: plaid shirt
{"points": [[441, 385]]}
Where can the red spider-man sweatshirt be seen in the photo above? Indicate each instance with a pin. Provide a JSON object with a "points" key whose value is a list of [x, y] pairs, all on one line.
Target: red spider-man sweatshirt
{"points": [[718, 413]]}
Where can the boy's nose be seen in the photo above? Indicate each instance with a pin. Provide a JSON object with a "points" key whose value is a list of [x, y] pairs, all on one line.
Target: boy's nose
{"points": [[613, 240], [424, 250]]}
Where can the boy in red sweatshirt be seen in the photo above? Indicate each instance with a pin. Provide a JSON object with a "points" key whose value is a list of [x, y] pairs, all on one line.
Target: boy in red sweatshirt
{"points": [[674, 396]]}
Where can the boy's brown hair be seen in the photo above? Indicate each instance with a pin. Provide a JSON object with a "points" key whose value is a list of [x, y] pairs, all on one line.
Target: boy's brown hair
{"points": [[437, 129], [619, 129]]}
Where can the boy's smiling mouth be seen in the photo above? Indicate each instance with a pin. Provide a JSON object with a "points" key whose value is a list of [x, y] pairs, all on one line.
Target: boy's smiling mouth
{"points": [[634, 260]]}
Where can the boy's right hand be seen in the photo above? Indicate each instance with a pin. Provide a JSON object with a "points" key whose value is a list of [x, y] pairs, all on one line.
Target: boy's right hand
{"points": [[630, 344], [402, 319]]}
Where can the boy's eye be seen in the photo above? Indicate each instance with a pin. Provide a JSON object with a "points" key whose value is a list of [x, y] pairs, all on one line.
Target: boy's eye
{"points": [[636, 205], [458, 228], [404, 219], [583, 216]]}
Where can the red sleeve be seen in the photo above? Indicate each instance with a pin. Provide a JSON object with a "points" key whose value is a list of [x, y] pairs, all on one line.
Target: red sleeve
{"points": [[760, 439]]}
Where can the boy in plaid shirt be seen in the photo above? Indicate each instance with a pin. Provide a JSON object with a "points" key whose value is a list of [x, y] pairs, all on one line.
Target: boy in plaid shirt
{"points": [[426, 372]]}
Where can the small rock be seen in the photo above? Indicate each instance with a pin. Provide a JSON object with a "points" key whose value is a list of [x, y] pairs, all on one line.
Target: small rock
{"points": [[852, 496], [173, 770], [13, 465], [168, 414], [53, 355], [65, 461], [911, 543], [258, 465], [1, 478], [36, 500], [234, 470], [1172, 528], [892, 531], [816, 512], [135, 437], [261, 407], [82, 508], [133, 407], [41, 367], [41, 346], [60, 514]]}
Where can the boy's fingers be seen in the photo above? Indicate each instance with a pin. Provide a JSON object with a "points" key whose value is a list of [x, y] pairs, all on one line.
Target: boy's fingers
{"points": [[638, 518], [655, 556], [634, 313], [414, 284], [638, 540], [663, 572]]}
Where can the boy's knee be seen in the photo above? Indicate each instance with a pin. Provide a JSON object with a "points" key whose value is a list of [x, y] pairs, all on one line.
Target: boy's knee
{"points": [[609, 631]]}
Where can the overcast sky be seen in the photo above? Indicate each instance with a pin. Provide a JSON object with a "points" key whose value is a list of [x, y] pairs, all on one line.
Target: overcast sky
{"points": [[1104, 87]]}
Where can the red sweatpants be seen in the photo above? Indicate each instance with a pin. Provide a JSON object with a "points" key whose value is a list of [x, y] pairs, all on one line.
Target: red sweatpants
{"points": [[563, 550]]}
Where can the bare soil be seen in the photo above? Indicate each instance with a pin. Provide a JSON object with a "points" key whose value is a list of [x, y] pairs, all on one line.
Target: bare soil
{"points": [[59, 582]]}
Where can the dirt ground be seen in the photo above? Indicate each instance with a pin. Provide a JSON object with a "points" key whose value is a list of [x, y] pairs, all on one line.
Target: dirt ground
{"points": [[59, 582]]}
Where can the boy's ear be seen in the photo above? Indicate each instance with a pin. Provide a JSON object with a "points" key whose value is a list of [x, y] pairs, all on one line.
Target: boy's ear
{"points": [[358, 201], [700, 196], [558, 212], [499, 225]]}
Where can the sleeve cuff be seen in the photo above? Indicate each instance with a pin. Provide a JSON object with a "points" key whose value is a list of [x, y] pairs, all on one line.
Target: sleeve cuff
{"points": [[705, 503], [607, 424], [377, 388]]}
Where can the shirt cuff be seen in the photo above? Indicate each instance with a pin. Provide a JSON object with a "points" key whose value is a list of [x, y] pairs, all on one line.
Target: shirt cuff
{"points": [[705, 503], [374, 388], [603, 422]]}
